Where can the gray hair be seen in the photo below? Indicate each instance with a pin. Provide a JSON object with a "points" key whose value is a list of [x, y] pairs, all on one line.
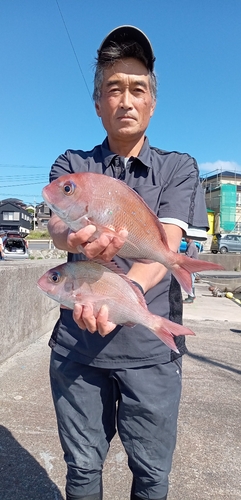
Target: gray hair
{"points": [[113, 53]]}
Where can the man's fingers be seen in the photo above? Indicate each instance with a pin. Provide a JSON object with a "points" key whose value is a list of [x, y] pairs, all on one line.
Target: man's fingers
{"points": [[98, 246], [80, 237], [106, 246], [85, 319], [89, 318], [103, 325], [77, 313]]}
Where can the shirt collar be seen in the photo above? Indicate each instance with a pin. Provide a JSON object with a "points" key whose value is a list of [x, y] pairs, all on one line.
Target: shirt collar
{"points": [[144, 156]]}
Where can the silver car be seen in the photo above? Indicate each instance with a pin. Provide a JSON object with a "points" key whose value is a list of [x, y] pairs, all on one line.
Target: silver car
{"points": [[224, 243], [14, 246]]}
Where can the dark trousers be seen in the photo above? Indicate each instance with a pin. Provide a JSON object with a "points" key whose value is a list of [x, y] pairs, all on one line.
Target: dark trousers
{"points": [[142, 402]]}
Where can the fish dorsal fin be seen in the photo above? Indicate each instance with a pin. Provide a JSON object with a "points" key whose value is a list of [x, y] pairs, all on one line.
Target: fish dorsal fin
{"points": [[141, 298], [112, 266], [156, 220]]}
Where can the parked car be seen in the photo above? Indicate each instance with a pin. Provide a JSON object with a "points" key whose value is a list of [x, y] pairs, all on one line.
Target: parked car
{"points": [[183, 246], [224, 243], [14, 246]]}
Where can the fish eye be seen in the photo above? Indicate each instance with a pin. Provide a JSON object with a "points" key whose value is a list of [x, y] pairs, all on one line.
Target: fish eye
{"points": [[55, 277], [69, 188]]}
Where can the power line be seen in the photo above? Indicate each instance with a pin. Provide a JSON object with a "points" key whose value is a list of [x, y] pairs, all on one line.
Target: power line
{"points": [[71, 43], [27, 195], [5, 165], [26, 184], [23, 178]]}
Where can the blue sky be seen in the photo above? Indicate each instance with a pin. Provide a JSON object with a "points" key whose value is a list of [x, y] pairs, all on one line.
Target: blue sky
{"points": [[45, 92]]}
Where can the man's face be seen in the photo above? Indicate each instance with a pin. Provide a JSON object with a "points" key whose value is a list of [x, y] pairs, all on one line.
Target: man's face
{"points": [[126, 104]]}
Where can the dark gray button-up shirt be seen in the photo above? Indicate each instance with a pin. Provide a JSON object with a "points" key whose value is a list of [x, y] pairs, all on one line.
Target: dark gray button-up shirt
{"points": [[169, 184]]}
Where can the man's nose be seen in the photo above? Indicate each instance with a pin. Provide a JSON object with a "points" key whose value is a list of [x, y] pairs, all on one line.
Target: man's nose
{"points": [[126, 101]]}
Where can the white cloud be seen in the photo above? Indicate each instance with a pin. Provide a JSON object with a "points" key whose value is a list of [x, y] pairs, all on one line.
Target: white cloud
{"points": [[219, 166]]}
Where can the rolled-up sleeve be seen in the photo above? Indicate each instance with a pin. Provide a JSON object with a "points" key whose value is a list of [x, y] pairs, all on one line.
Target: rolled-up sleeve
{"points": [[183, 196]]}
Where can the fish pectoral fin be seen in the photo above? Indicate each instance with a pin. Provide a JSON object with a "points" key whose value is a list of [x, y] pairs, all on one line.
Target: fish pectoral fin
{"points": [[130, 324], [79, 223], [78, 298]]}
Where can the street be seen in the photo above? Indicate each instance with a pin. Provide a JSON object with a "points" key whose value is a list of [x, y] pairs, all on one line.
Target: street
{"points": [[40, 244]]}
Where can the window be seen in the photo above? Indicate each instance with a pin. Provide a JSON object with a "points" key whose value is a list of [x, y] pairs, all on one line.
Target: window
{"points": [[238, 227], [239, 199], [44, 222], [10, 215]]}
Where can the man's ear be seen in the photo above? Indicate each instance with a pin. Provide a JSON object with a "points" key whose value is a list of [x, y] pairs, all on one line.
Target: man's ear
{"points": [[97, 109]]}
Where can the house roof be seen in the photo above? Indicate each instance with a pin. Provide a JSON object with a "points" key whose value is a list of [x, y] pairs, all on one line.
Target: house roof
{"points": [[7, 204], [220, 174]]}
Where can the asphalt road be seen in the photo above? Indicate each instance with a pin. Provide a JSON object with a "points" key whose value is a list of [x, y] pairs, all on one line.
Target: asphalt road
{"points": [[40, 244]]}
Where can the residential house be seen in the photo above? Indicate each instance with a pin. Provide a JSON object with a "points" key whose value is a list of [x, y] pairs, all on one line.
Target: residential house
{"points": [[42, 215], [14, 217]]}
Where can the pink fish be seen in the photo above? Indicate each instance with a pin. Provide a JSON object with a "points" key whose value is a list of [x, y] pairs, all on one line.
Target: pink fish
{"points": [[91, 282], [108, 203]]}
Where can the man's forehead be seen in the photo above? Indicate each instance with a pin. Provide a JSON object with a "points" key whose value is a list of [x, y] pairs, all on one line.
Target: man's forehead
{"points": [[131, 68], [117, 79]]}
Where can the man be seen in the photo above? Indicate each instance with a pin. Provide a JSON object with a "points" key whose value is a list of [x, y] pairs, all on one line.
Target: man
{"points": [[191, 252], [103, 375], [1, 248]]}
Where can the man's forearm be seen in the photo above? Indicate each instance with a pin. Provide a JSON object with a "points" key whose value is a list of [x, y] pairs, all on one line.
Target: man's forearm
{"points": [[148, 275], [58, 232]]}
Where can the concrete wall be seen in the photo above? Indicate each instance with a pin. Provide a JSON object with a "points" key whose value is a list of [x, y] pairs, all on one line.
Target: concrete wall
{"points": [[230, 261], [26, 312]]}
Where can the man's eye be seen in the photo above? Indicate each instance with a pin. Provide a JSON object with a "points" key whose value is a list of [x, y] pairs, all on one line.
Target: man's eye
{"points": [[139, 90], [114, 90]]}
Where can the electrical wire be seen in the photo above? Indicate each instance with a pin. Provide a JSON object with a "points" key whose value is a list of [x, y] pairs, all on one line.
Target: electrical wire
{"points": [[26, 184], [74, 51]]}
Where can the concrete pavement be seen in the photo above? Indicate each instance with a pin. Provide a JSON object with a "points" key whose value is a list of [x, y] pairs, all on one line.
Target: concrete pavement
{"points": [[207, 461]]}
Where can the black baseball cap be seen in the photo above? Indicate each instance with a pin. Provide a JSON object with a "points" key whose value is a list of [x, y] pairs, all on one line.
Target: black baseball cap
{"points": [[130, 33]]}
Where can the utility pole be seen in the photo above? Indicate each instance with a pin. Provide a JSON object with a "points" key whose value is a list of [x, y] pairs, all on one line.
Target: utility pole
{"points": [[34, 212]]}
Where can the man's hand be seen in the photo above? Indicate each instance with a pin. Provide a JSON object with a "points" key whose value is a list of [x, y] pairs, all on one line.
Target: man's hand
{"points": [[84, 317], [104, 247]]}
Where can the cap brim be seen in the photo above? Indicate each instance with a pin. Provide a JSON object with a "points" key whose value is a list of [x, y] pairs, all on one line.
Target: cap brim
{"points": [[127, 33]]}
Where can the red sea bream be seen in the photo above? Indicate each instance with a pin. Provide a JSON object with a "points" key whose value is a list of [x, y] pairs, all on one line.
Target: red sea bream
{"points": [[91, 282]]}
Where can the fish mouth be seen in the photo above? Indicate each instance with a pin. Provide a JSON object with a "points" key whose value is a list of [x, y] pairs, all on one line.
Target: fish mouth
{"points": [[40, 288], [62, 214], [65, 216], [57, 298]]}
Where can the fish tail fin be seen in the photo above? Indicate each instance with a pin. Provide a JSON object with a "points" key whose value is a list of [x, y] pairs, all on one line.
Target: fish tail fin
{"points": [[184, 278], [166, 330], [185, 266]]}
